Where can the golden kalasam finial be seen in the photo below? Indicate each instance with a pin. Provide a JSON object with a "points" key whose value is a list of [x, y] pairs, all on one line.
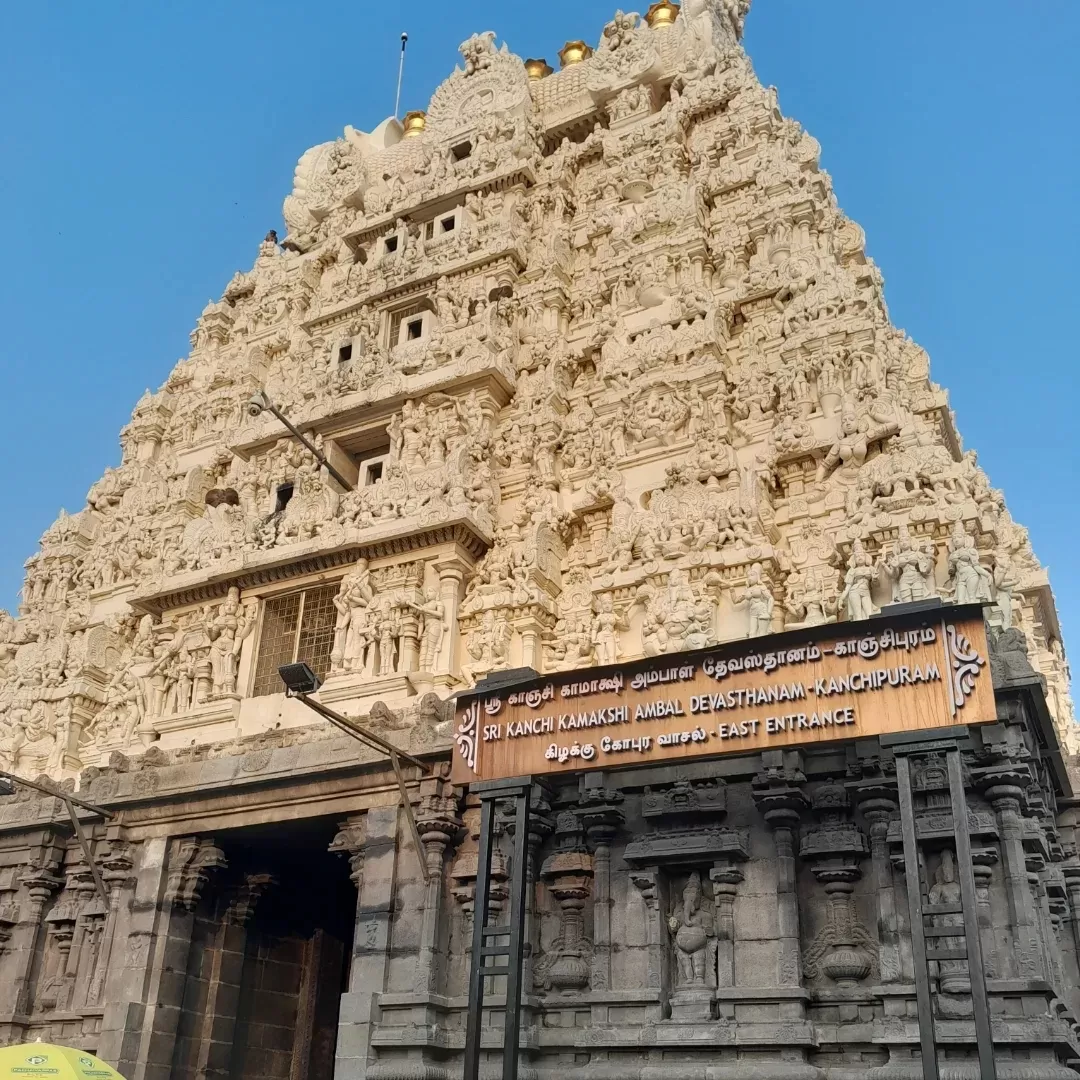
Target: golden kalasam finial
{"points": [[537, 69], [573, 52], [414, 123], [661, 14]]}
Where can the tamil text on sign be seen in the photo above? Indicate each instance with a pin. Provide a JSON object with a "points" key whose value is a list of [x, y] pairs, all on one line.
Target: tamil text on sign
{"points": [[843, 681]]}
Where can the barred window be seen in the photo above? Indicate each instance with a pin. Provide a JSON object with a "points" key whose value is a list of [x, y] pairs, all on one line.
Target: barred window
{"points": [[412, 317], [296, 627]]}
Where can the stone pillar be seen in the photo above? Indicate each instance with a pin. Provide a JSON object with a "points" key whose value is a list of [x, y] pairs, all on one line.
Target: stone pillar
{"points": [[531, 628], [463, 876], [1071, 870], [530, 647], [451, 573], [602, 818], [409, 653], [983, 861], [842, 950], [569, 870], [781, 801], [726, 878], [39, 884], [134, 925], [83, 709], [440, 828], [1003, 787], [649, 883], [116, 863], [877, 799], [156, 983], [541, 825], [227, 952], [371, 944]]}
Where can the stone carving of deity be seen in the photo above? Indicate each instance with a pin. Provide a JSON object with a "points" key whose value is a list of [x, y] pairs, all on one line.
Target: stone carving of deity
{"points": [[606, 624], [1006, 581], [953, 974], [759, 601], [227, 632], [693, 933], [858, 581], [971, 580], [354, 633], [433, 616], [387, 632], [911, 567]]}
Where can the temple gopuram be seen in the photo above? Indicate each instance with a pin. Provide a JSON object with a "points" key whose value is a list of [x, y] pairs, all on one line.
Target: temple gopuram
{"points": [[562, 434]]}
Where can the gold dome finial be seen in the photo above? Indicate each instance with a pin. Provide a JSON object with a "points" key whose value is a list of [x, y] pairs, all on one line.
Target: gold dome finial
{"points": [[537, 69], [573, 52], [414, 123], [661, 14]]}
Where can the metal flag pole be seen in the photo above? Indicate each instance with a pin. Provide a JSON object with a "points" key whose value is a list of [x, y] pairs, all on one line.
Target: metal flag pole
{"points": [[400, 73]]}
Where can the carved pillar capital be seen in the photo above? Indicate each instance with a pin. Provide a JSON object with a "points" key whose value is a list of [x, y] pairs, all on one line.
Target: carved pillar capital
{"points": [[246, 896], [40, 883], [568, 871], [843, 950], [191, 864], [438, 820], [834, 846], [778, 793], [465, 867], [781, 801], [349, 841]]}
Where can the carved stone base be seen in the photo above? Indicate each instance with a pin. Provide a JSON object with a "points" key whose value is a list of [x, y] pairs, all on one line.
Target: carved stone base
{"points": [[218, 717], [365, 689], [954, 1006], [691, 1005]]}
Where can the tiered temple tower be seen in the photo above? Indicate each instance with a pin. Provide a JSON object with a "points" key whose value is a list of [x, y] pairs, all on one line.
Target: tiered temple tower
{"points": [[609, 375]]}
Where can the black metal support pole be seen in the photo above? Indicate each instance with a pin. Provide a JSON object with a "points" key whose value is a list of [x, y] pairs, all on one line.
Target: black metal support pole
{"points": [[95, 873], [915, 916], [319, 456], [512, 1020], [473, 1027], [54, 793], [976, 972]]}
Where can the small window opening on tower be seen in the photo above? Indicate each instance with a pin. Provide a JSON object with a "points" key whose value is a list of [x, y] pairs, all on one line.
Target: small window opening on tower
{"points": [[390, 244], [461, 151], [284, 494], [414, 329], [345, 353], [447, 224], [371, 459]]}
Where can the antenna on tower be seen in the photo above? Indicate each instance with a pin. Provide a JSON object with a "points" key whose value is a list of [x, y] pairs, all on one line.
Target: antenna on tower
{"points": [[400, 73]]}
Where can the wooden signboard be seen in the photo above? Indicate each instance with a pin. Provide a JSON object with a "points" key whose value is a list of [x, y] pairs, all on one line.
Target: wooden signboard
{"points": [[913, 672]]}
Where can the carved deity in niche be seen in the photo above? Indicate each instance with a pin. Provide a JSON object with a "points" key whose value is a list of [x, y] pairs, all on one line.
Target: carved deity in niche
{"points": [[433, 614], [759, 602], [911, 567], [855, 596], [693, 933], [227, 631], [972, 582], [953, 974], [354, 631], [607, 623], [1006, 582]]}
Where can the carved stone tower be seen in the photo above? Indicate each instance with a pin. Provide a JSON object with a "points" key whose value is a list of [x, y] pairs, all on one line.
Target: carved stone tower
{"points": [[609, 375]]}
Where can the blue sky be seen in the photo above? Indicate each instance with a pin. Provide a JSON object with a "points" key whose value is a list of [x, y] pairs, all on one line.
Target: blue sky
{"points": [[146, 150]]}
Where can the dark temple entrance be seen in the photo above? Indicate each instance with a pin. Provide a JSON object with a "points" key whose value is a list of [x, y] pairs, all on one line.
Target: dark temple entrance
{"points": [[269, 959]]}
